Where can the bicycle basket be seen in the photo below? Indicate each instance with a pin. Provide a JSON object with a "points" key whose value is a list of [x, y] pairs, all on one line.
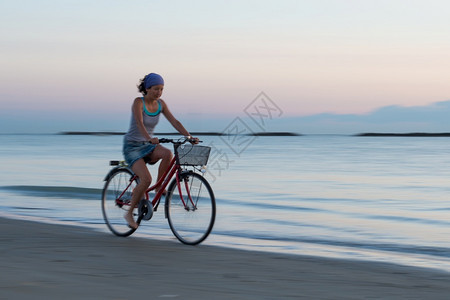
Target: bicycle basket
{"points": [[190, 155]]}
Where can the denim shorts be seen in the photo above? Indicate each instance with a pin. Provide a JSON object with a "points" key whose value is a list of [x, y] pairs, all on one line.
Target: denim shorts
{"points": [[133, 151]]}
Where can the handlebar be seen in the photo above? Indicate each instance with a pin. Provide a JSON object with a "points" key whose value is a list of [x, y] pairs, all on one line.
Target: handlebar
{"points": [[179, 141]]}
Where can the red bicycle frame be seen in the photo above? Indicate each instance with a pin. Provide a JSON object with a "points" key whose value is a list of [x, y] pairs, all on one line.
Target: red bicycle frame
{"points": [[163, 182], [174, 168]]}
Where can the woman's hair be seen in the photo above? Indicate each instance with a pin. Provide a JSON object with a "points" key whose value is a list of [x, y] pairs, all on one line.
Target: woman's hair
{"points": [[141, 86]]}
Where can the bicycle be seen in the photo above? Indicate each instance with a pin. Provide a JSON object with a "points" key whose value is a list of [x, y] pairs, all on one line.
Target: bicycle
{"points": [[189, 207]]}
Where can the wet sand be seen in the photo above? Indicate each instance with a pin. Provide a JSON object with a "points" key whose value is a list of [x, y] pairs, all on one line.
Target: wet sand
{"points": [[43, 261]]}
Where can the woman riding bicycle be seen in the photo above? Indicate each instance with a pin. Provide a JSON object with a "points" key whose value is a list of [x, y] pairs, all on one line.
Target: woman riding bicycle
{"points": [[139, 146]]}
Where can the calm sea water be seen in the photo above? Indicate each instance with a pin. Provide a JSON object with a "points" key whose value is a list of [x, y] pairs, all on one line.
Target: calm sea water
{"points": [[370, 198]]}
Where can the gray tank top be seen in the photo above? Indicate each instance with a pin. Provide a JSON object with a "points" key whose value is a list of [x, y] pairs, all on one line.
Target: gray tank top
{"points": [[150, 120]]}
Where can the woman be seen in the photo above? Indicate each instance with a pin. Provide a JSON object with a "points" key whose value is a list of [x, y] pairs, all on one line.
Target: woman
{"points": [[139, 146]]}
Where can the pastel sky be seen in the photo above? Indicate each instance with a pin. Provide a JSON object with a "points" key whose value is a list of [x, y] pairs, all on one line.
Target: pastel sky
{"points": [[78, 62]]}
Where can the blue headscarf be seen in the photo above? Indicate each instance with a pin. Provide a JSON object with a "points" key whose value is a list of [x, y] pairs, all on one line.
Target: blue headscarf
{"points": [[153, 79]]}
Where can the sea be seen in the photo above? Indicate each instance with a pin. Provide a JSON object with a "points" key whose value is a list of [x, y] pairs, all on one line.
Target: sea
{"points": [[380, 199]]}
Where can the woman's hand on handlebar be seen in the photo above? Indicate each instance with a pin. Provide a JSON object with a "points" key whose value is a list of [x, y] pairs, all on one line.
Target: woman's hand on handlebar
{"points": [[194, 140], [154, 140]]}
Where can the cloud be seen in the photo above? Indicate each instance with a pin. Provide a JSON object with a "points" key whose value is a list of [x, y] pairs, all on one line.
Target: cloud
{"points": [[397, 119], [436, 113]]}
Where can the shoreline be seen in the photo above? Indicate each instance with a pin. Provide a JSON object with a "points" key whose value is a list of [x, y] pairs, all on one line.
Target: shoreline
{"points": [[46, 260], [212, 133], [411, 134], [262, 134], [274, 133]]}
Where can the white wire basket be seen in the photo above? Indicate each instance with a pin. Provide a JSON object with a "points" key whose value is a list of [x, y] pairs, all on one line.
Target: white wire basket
{"points": [[193, 155]]}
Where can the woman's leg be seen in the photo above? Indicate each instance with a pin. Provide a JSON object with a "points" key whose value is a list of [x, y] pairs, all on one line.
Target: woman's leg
{"points": [[163, 154], [145, 179]]}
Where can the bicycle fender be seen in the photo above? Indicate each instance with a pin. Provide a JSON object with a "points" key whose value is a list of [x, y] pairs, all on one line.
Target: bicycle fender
{"points": [[166, 204], [186, 172], [114, 170]]}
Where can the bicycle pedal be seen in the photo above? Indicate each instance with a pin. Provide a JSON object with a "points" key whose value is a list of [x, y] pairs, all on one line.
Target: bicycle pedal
{"points": [[145, 210]]}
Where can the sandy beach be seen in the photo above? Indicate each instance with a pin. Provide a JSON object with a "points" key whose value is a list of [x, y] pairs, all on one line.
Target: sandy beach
{"points": [[43, 261]]}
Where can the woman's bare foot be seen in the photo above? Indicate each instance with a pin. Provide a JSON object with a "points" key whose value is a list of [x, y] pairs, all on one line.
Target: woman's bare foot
{"points": [[130, 221]]}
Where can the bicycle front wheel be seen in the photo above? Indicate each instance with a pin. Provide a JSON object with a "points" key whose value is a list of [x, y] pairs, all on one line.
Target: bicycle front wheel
{"points": [[190, 208], [116, 199]]}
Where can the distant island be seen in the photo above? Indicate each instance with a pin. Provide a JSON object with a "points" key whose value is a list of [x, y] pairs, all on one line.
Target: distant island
{"points": [[175, 133], [412, 134]]}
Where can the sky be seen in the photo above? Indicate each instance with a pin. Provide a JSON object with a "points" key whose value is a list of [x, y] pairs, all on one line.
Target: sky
{"points": [[74, 65]]}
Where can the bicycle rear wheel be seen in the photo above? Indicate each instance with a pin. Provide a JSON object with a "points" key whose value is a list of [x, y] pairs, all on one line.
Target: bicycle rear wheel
{"points": [[116, 198], [191, 214]]}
